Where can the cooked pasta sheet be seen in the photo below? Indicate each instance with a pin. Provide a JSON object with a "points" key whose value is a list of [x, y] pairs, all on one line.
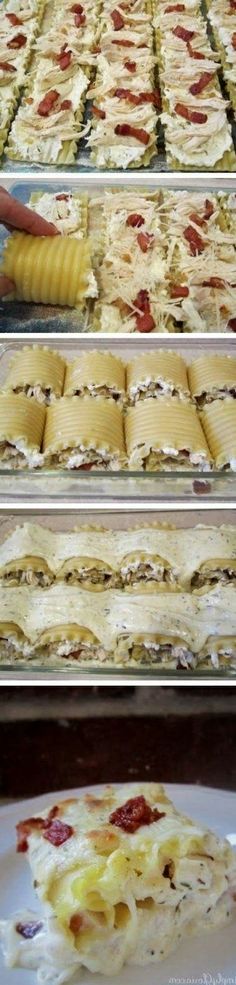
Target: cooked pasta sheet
{"points": [[157, 374], [212, 378], [38, 372], [197, 132], [21, 431], [138, 560], [83, 433], [49, 270], [96, 374], [181, 630], [165, 434], [19, 23], [219, 423], [222, 18]]}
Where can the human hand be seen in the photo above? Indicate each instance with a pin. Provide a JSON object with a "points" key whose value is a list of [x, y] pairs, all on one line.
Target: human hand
{"points": [[14, 215]]}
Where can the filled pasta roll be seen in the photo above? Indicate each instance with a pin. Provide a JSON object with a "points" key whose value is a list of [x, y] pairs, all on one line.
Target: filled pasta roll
{"points": [[165, 434], [212, 377], [96, 374], [219, 423], [157, 374], [82, 433], [21, 431], [49, 270], [60, 623], [38, 372]]}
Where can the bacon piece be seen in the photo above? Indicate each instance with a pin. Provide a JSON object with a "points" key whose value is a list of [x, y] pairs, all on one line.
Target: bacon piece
{"points": [[66, 104], [232, 324], [193, 53], [80, 19], [197, 219], [125, 130], [117, 19], [76, 922], [183, 34], [142, 301], [175, 7], [62, 198], [126, 44], [47, 102], [179, 291], [233, 40], [209, 209], [64, 59], [145, 240], [191, 115], [77, 8], [202, 83], [135, 813], [100, 113], [29, 930], [17, 42], [24, 829], [131, 66], [7, 67], [201, 486], [57, 832], [216, 282], [142, 97], [145, 323], [195, 241], [134, 219], [14, 20]]}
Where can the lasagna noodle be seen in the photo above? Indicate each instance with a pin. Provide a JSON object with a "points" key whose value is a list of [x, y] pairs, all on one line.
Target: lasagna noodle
{"points": [[37, 371], [97, 374], [212, 377], [219, 423], [92, 430], [157, 374], [162, 434], [222, 17], [21, 431], [48, 270]]}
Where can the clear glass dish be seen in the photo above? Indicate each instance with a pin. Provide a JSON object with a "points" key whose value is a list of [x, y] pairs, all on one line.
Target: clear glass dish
{"points": [[54, 485], [17, 317], [116, 519]]}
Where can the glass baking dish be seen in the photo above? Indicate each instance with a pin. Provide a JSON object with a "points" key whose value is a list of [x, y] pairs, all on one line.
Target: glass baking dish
{"points": [[18, 317], [59, 520], [53, 486]]}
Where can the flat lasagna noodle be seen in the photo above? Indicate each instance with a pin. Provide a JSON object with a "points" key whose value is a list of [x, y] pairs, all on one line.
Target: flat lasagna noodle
{"points": [[48, 269], [83, 433], [165, 434], [38, 372], [219, 423], [212, 377], [95, 374], [157, 374], [21, 431]]}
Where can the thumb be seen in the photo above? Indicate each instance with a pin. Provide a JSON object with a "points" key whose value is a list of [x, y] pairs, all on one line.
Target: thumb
{"points": [[6, 286]]}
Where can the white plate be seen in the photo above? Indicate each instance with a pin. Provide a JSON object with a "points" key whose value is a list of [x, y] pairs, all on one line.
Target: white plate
{"points": [[212, 956]]}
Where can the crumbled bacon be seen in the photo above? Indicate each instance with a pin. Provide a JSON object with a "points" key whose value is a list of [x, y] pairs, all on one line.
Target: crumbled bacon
{"points": [[194, 217], [7, 67], [134, 219], [30, 929], [195, 241], [62, 197], [209, 209], [80, 19], [174, 7], [131, 66], [216, 282], [47, 103], [51, 827], [17, 42], [192, 116], [232, 324], [135, 813], [201, 487], [24, 829], [202, 83], [77, 8], [100, 113], [66, 104], [14, 20], [234, 40], [145, 241], [117, 19], [145, 323], [139, 98], [193, 53], [179, 291], [142, 301], [64, 59], [57, 832], [76, 922], [126, 44], [183, 34], [125, 130]]}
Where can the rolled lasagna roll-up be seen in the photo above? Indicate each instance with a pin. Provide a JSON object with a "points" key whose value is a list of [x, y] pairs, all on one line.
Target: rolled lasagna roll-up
{"points": [[165, 434], [28, 556], [38, 372], [21, 431], [96, 374], [54, 624], [212, 378], [148, 558], [157, 374], [219, 423], [207, 556], [122, 877], [218, 616], [83, 433], [49, 269]]}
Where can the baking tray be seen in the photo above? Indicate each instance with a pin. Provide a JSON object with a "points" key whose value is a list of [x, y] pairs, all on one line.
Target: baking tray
{"points": [[18, 317], [116, 519], [52, 486]]}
